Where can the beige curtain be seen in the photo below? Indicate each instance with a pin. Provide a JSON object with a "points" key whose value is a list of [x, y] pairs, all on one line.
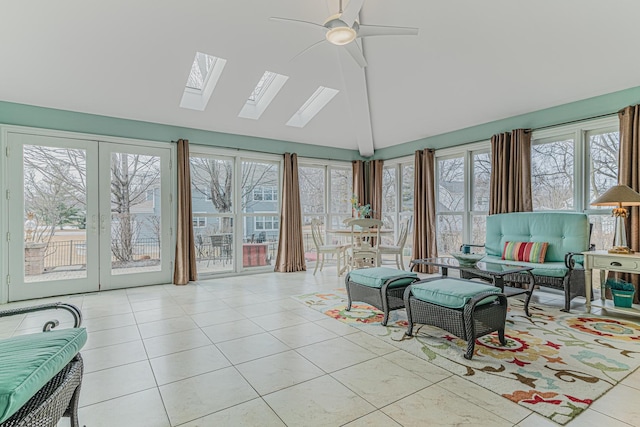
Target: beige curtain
{"points": [[511, 172], [185, 262], [359, 186], [629, 174], [290, 256], [424, 209], [374, 187]]}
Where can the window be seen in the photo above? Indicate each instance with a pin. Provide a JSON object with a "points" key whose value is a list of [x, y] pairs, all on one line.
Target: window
{"points": [[552, 173], [480, 189], [602, 174], [199, 221], [265, 194], [203, 78], [450, 206], [265, 91], [397, 199], [312, 106], [267, 223]]}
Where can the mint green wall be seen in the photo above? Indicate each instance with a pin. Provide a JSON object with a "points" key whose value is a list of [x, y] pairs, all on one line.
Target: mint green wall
{"points": [[48, 118], [40, 117], [574, 111]]}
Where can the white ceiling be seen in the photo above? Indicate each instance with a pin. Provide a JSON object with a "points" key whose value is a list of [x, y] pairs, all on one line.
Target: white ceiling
{"points": [[474, 61]]}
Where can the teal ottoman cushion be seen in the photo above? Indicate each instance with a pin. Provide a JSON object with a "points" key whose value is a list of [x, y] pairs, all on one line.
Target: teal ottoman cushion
{"points": [[28, 362], [451, 293], [375, 277]]}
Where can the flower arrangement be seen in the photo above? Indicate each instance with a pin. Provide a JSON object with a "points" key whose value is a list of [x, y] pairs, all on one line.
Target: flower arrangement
{"points": [[358, 210]]}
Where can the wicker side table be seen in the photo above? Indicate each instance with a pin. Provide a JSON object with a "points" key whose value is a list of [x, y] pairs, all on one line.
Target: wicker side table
{"points": [[477, 318]]}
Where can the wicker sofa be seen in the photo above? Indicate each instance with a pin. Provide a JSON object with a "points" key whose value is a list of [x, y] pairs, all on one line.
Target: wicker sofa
{"points": [[41, 373], [568, 235]]}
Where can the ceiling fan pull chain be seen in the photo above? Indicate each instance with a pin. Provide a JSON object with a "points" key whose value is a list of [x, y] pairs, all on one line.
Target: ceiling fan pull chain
{"points": [[340, 11]]}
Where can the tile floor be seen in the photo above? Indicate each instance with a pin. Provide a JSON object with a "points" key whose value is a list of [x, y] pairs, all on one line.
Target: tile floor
{"points": [[240, 352]]}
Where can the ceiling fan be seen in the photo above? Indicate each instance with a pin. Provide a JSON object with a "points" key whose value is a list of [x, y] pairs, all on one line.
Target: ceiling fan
{"points": [[343, 28]]}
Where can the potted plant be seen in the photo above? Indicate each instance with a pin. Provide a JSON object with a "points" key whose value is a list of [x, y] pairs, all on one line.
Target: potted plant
{"points": [[622, 292]]}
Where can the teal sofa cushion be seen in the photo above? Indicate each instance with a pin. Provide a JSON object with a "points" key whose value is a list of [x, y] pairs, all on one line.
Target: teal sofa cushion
{"points": [[451, 293], [28, 362], [549, 269], [375, 277], [564, 231]]}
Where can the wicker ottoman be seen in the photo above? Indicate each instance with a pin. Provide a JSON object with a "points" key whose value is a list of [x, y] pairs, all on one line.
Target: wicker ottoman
{"points": [[381, 287], [461, 307]]}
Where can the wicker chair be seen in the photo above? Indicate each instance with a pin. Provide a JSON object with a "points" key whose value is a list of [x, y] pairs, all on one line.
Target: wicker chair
{"points": [[397, 248], [59, 396], [322, 250]]}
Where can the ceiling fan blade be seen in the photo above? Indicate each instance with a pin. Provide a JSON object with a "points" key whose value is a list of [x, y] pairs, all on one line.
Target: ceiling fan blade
{"points": [[351, 12], [356, 53], [307, 49], [380, 30], [307, 24]]}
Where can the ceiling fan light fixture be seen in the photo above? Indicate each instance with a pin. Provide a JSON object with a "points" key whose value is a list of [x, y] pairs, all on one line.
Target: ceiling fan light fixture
{"points": [[341, 35]]}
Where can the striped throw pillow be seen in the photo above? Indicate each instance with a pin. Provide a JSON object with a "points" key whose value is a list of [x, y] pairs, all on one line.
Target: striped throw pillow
{"points": [[525, 251]]}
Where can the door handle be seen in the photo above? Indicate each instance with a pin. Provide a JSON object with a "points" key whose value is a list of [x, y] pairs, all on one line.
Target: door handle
{"points": [[615, 264], [94, 223], [102, 221]]}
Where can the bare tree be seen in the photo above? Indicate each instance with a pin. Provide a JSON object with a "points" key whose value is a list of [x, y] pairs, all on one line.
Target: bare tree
{"points": [[132, 175]]}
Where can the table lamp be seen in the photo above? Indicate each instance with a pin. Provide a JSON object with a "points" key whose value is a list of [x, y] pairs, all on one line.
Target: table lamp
{"points": [[619, 195]]}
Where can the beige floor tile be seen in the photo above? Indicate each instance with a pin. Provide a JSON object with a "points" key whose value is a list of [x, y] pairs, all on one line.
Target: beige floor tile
{"points": [[260, 309], [335, 354], [243, 299], [166, 327], [435, 406], [232, 330], [336, 326], [303, 334], [173, 343], [109, 337], [535, 420], [633, 380], [109, 322], [320, 402], [156, 314], [186, 364], [279, 371], [204, 306], [153, 304], [591, 418], [249, 414], [252, 347], [115, 382], [418, 366], [375, 419], [380, 382], [278, 320], [114, 355], [371, 343], [144, 408], [216, 317], [308, 313], [205, 394], [621, 403], [485, 399]]}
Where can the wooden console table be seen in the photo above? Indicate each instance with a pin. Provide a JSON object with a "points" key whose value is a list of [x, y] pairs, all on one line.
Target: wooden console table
{"points": [[604, 261]]}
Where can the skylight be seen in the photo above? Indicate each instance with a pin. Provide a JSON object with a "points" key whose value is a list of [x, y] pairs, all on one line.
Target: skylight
{"points": [[267, 88], [203, 77], [312, 106]]}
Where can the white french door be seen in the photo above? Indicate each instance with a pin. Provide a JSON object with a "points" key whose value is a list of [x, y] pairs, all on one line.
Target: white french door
{"points": [[86, 215]]}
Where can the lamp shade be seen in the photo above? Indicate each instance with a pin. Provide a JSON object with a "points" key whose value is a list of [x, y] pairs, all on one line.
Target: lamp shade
{"points": [[618, 195]]}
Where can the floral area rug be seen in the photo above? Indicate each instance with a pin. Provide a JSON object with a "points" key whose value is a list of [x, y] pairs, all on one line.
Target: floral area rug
{"points": [[554, 363]]}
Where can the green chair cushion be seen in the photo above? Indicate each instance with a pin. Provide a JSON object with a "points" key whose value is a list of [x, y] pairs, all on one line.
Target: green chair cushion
{"points": [[28, 362], [375, 277], [549, 269], [451, 293]]}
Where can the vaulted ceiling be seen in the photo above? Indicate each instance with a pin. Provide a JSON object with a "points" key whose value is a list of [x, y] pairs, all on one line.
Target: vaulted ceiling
{"points": [[473, 61]]}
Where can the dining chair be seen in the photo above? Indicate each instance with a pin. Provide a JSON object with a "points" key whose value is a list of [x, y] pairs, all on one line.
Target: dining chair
{"points": [[322, 249], [365, 238], [397, 248]]}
